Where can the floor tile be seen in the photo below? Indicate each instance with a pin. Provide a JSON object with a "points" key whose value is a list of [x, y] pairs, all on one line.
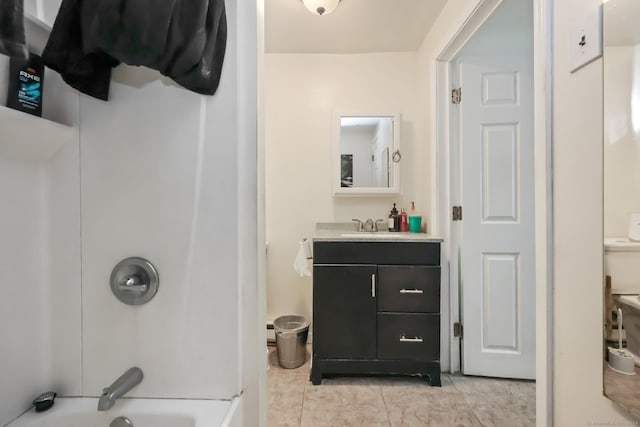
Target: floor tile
{"points": [[623, 389], [468, 384], [498, 402], [418, 404], [424, 416], [497, 415], [338, 405], [286, 394], [404, 381], [396, 401]]}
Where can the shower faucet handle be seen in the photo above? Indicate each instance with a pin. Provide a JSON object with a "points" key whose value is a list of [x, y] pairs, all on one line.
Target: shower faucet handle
{"points": [[133, 283]]}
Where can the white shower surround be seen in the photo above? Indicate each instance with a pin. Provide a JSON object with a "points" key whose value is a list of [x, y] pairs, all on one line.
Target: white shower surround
{"points": [[151, 175], [148, 173]]}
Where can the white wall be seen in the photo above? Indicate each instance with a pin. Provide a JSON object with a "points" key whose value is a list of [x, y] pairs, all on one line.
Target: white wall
{"points": [[22, 301], [621, 138], [578, 230], [40, 263], [255, 293], [62, 242], [301, 91]]}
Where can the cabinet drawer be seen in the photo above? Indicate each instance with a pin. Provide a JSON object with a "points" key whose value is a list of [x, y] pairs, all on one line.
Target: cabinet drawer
{"points": [[408, 336], [409, 289], [400, 253]]}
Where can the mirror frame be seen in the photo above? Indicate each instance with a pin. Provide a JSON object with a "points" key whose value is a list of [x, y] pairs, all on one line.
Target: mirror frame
{"points": [[340, 191]]}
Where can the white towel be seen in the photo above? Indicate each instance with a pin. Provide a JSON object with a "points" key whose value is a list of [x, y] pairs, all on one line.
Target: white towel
{"points": [[301, 263]]}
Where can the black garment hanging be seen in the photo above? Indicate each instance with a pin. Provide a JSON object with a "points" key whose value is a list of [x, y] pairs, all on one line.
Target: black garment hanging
{"points": [[183, 39], [12, 39]]}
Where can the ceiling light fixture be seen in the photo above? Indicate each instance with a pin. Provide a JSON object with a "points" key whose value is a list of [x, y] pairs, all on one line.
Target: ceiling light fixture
{"points": [[321, 7]]}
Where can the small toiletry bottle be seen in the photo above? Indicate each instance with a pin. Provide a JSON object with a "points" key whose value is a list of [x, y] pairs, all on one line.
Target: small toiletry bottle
{"points": [[404, 220], [394, 222]]}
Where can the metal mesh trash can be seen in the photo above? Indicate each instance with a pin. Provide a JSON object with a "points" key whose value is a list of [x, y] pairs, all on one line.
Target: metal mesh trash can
{"points": [[291, 340]]}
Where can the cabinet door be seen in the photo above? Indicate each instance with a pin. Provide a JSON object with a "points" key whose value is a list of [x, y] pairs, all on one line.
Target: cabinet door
{"points": [[344, 311]]}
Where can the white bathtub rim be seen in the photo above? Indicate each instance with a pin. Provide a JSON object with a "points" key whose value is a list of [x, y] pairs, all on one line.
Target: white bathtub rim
{"points": [[210, 412]]}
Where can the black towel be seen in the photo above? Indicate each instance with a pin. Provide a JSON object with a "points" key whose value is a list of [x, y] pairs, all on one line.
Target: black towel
{"points": [[12, 40], [183, 39]]}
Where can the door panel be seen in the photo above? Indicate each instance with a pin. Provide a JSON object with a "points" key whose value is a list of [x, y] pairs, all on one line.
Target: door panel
{"points": [[500, 170], [497, 244], [500, 88], [500, 283]]}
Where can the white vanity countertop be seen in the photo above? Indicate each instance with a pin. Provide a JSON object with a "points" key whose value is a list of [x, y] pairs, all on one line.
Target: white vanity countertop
{"points": [[345, 232]]}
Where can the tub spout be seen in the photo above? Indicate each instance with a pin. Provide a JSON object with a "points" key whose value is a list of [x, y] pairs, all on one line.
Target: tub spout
{"points": [[122, 385]]}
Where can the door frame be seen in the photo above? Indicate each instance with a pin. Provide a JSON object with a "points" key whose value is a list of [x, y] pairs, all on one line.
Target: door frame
{"points": [[442, 178]]}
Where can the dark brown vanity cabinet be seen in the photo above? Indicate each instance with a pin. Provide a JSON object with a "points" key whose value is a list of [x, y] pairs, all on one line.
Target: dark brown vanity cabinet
{"points": [[376, 308]]}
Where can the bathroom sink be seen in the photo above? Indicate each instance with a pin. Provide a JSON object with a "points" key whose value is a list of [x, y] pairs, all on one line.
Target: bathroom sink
{"points": [[367, 235]]}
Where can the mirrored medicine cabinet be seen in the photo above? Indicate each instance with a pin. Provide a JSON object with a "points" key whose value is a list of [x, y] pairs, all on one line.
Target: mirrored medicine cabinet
{"points": [[366, 154]]}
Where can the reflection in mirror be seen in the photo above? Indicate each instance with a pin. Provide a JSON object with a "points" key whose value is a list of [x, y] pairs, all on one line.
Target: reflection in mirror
{"points": [[621, 200], [364, 146]]}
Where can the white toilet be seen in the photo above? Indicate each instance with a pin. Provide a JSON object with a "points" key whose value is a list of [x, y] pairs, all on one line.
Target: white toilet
{"points": [[622, 263]]}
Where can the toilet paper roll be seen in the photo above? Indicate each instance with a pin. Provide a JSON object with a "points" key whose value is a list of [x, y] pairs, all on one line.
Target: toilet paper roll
{"points": [[634, 227]]}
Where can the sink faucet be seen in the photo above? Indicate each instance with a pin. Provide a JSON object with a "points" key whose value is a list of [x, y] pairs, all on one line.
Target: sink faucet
{"points": [[368, 225], [122, 385]]}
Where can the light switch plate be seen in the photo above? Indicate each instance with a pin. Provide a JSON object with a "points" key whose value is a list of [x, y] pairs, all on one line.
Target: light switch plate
{"points": [[585, 39]]}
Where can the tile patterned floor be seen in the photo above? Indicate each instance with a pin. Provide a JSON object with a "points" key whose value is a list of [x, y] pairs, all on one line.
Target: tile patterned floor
{"points": [[622, 389], [396, 401]]}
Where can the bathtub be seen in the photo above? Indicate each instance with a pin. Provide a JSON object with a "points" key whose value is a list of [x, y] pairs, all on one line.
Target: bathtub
{"points": [[82, 412], [630, 305]]}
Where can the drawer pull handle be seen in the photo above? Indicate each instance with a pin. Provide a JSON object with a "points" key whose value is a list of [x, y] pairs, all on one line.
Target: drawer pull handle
{"points": [[373, 285], [411, 291], [414, 339]]}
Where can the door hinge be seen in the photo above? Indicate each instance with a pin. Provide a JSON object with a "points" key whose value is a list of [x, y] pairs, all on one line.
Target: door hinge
{"points": [[456, 213], [456, 96], [457, 330]]}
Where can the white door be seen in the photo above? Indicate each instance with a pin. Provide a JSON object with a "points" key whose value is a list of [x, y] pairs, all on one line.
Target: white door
{"points": [[497, 243]]}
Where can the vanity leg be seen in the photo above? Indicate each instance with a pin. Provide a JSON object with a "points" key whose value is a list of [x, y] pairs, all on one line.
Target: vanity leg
{"points": [[434, 376], [315, 377]]}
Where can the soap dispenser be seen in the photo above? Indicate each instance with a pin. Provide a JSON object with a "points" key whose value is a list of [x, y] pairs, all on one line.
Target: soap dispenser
{"points": [[404, 220], [394, 219]]}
